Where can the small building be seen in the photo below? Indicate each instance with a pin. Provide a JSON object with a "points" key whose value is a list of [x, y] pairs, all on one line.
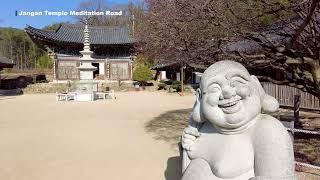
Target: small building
{"points": [[113, 49], [192, 72], [5, 63]]}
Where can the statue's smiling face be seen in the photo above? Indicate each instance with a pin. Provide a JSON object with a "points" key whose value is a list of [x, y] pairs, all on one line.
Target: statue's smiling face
{"points": [[228, 97]]}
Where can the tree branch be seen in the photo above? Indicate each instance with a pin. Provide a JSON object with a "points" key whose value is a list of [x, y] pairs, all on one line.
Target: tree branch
{"points": [[305, 22]]}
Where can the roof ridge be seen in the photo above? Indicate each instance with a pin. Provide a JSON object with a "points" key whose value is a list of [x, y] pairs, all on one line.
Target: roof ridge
{"points": [[45, 30], [58, 28], [90, 26], [4, 59]]}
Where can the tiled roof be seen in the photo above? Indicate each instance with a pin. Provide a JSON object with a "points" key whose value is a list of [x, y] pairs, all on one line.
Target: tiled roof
{"points": [[5, 62], [74, 34], [164, 65]]}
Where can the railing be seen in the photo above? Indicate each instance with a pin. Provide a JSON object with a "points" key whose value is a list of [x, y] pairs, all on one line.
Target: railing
{"points": [[293, 130], [285, 96]]}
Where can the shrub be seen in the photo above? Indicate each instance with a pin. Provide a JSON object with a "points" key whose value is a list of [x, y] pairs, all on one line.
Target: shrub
{"points": [[169, 82], [177, 87], [176, 82], [142, 73], [161, 86]]}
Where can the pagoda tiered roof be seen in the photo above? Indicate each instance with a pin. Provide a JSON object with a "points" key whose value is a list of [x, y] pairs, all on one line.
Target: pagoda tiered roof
{"points": [[68, 33]]}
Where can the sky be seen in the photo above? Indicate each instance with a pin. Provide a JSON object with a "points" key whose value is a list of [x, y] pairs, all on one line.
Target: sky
{"points": [[9, 8]]}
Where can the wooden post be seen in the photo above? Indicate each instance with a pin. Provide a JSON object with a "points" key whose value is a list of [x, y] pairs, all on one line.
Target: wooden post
{"points": [[182, 76], [296, 110]]}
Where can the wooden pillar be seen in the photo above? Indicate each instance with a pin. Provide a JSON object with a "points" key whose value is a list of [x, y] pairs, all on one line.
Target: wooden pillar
{"points": [[54, 69], [0, 77], [108, 70], [130, 69], [182, 77], [53, 57], [105, 70]]}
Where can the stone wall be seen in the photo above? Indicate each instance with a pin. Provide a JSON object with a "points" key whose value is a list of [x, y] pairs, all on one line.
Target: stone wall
{"points": [[64, 87], [41, 88]]}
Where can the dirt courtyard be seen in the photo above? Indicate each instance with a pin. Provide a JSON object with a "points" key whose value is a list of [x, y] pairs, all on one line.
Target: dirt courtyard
{"points": [[41, 139], [132, 137]]}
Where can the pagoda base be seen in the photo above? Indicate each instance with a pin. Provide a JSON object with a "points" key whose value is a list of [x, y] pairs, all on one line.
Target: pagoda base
{"points": [[84, 97]]}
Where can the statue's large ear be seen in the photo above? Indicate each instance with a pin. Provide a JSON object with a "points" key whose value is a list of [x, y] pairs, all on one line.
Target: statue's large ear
{"points": [[268, 103], [196, 113]]}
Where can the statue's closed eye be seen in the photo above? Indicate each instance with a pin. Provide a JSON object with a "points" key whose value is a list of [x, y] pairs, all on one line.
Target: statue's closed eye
{"points": [[237, 81], [214, 88]]}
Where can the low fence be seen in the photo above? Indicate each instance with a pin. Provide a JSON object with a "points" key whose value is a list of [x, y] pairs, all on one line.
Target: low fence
{"points": [[285, 96], [293, 130]]}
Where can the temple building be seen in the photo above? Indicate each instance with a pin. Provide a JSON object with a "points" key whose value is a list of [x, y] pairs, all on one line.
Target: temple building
{"points": [[113, 49]]}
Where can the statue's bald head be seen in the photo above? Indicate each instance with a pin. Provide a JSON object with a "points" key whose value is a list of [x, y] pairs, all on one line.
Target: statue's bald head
{"points": [[227, 67]]}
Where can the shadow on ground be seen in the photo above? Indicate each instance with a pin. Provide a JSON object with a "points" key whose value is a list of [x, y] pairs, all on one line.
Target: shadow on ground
{"points": [[169, 125], [10, 92], [5, 98], [173, 171]]}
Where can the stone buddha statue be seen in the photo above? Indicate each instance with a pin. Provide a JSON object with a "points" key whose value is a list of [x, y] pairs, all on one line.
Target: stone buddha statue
{"points": [[229, 137]]}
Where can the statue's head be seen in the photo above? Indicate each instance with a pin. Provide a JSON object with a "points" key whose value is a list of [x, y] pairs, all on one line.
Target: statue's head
{"points": [[229, 97]]}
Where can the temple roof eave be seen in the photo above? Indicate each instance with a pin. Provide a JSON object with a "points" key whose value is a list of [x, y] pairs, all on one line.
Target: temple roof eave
{"points": [[68, 34]]}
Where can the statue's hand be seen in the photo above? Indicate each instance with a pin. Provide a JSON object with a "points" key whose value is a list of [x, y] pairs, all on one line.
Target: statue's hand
{"points": [[189, 136]]}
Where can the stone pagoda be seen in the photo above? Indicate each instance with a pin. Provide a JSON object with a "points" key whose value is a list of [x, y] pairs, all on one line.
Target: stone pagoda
{"points": [[86, 69], [86, 86]]}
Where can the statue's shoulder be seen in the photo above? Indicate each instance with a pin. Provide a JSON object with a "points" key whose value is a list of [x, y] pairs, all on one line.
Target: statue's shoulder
{"points": [[270, 135], [268, 124]]}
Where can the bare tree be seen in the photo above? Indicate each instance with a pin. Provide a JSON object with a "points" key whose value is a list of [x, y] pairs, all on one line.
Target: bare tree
{"points": [[277, 34], [129, 10], [92, 5], [290, 44]]}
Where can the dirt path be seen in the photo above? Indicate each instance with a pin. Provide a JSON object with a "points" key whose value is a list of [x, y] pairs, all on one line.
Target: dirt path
{"points": [[41, 139]]}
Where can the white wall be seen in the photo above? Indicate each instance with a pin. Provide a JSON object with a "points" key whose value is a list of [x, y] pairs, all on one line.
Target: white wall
{"points": [[178, 76], [163, 75], [101, 68], [198, 76]]}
